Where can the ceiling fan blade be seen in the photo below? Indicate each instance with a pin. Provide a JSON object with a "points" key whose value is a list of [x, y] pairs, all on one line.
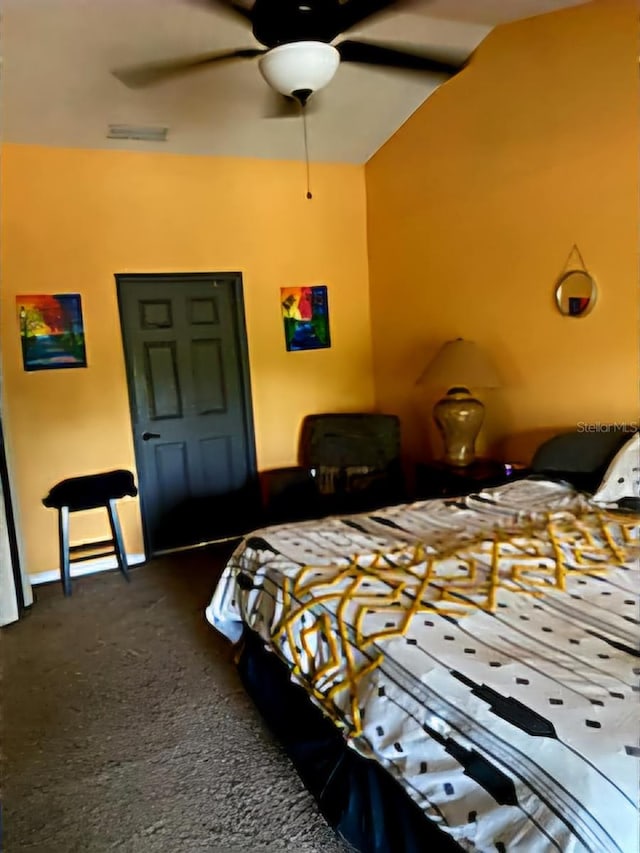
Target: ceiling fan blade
{"points": [[137, 76], [351, 12], [370, 53], [230, 8]]}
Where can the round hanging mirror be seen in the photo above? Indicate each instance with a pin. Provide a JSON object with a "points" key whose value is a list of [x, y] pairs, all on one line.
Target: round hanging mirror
{"points": [[575, 293]]}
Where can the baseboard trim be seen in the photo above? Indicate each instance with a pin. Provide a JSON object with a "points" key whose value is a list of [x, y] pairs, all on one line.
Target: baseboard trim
{"points": [[90, 567]]}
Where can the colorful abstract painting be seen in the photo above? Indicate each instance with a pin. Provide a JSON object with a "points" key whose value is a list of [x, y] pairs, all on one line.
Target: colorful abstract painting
{"points": [[305, 311], [51, 331]]}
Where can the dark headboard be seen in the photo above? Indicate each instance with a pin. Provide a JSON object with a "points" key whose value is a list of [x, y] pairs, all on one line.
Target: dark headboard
{"points": [[350, 439], [581, 456]]}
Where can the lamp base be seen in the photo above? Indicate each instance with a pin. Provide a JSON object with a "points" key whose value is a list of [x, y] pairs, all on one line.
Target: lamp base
{"points": [[459, 417]]}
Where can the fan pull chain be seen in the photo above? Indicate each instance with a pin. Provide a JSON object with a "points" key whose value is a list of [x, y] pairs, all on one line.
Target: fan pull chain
{"points": [[306, 148]]}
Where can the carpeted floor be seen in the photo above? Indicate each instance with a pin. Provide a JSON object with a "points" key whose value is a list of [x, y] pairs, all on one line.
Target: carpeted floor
{"points": [[126, 728]]}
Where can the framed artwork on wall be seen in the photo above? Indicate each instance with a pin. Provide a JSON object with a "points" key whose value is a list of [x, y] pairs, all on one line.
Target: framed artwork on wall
{"points": [[305, 313], [51, 331]]}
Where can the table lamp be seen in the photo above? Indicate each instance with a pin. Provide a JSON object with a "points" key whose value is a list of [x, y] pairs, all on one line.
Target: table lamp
{"points": [[459, 365]]}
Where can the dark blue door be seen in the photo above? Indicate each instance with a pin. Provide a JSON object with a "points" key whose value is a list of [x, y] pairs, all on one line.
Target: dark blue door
{"points": [[187, 367]]}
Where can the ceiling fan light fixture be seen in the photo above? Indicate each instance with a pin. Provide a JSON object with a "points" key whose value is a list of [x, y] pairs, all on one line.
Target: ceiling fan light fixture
{"points": [[299, 66]]}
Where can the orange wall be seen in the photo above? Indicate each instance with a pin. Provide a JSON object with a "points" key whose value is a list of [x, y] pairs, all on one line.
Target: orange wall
{"points": [[73, 218], [473, 208]]}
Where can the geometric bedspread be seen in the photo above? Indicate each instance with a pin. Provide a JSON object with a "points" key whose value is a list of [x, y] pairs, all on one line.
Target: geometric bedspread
{"points": [[483, 650]]}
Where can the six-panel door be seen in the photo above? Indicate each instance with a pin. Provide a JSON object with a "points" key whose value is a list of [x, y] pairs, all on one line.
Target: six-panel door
{"points": [[188, 385]]}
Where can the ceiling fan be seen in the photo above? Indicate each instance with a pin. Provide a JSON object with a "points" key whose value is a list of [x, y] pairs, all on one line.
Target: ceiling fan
{"points": [[297, 57]]}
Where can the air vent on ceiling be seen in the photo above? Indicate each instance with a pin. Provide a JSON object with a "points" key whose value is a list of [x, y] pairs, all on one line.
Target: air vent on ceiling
{"points": [[133, 131]]}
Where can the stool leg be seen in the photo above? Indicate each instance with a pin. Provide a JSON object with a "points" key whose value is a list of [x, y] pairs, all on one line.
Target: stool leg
{"points": [[116, 533], [65, 561]]}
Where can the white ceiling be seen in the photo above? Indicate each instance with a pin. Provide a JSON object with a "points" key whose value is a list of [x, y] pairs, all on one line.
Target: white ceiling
{"points": [[57, 89]]}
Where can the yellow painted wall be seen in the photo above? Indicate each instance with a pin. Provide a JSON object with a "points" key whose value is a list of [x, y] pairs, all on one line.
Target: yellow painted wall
{"points": [[473, 208], [71, 219]]}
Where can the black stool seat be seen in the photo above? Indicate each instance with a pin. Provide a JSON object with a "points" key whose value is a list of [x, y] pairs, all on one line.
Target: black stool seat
{"points": [[90, 492]]}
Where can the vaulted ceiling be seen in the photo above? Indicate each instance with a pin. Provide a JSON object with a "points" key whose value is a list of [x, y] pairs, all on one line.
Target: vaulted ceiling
{"points": [[57, 89]]}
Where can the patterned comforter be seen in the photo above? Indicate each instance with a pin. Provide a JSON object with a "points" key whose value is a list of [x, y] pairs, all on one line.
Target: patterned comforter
{"points": [[483, 650]]}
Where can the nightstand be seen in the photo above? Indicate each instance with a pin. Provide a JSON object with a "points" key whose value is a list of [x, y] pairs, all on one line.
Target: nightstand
{"points": [[438, 480]]}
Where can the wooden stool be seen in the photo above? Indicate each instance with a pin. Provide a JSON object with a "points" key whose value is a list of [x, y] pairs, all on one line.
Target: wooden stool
{"points": [[89, 492]]}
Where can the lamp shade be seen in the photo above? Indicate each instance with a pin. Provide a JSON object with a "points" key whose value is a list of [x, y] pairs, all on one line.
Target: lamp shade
{"points": [[301, 66], [460, 363]]}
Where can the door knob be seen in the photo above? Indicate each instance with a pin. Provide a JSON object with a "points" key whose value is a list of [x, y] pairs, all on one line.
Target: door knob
{"points": [[147, 435]]}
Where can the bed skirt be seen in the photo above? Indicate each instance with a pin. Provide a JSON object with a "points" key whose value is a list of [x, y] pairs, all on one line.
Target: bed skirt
{"points": [[358, 798]]}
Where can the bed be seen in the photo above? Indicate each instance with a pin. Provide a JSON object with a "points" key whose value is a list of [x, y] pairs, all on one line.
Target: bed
{"points": [[456, 674]]}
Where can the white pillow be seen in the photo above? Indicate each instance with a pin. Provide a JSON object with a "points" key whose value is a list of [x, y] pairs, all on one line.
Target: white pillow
{"points": [[622, 479]]}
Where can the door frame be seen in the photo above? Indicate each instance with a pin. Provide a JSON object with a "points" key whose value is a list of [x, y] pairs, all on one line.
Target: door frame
{"points": [[123, 280], [12, 535]]}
